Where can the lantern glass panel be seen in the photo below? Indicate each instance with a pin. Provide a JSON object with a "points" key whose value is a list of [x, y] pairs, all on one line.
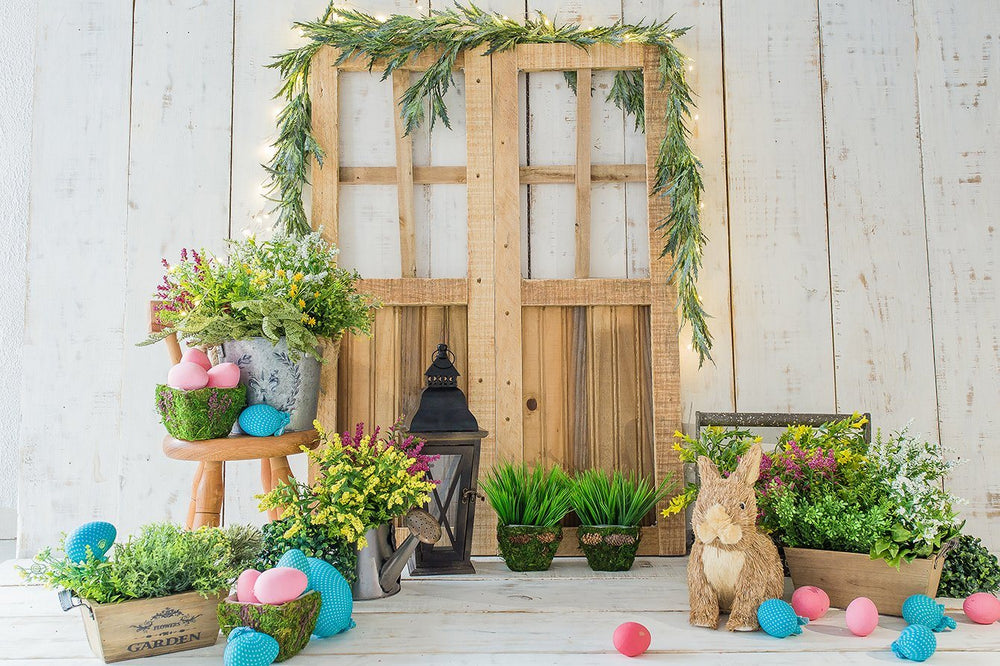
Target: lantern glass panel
{"points": [[447, 498]]}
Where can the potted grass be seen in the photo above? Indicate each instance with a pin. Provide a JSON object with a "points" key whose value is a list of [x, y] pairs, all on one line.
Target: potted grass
{"points": [[610, 508], [529, 502], [157, 592], [269, 307]]}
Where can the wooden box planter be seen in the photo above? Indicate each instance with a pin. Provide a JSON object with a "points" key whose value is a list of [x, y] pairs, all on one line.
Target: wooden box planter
{"points": [[148, 627], [847, 576]]}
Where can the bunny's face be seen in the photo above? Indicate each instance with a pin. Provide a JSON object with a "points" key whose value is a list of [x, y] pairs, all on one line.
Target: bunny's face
{"points": [[726, 509]]}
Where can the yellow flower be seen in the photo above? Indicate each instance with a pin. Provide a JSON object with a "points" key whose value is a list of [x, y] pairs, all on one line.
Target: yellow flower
{"points": [[297, 277], [294, 289], [312, 321], [302, 304], [281, 272], [678, 446], [315, 294]]}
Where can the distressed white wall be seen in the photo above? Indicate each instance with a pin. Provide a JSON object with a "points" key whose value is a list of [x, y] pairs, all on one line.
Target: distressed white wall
{"points": [[17, 41], [851, 162]]}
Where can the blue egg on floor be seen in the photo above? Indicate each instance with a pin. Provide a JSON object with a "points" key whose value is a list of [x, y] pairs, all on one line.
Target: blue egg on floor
{"points": [[250, 648], [97, 536], [337, 599], [916, 643], [777, 618], [921, 609]]}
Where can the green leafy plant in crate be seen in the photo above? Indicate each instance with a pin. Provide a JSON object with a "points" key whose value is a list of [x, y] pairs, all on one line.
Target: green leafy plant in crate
{"points": [[314, 541]]}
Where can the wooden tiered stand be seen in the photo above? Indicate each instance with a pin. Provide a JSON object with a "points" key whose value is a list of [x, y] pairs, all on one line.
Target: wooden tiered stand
{"points": [[208, 488]]}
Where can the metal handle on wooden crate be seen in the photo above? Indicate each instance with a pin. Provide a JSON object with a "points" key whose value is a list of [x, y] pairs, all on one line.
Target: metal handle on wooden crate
{"points": [[939, 558]]}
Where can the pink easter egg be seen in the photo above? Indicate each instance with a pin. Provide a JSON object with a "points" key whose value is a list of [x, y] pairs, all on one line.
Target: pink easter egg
{"points": [[280, 585], [224, 375], [244, 586], [187, 376], [811, 602], [631, 639], [195, 355], [982, 608], [862, 616]]}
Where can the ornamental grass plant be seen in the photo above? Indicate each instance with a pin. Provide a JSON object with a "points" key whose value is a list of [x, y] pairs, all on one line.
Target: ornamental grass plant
{"points": [[600, 498], [523, 495]]}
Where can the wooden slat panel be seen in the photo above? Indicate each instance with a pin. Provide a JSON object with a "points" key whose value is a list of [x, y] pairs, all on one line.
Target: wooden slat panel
{"points": [[601, 394], [582, 174], [593, 291], [559, 57], [530, 175], [663, 322], [323, 91], [385, 379], [422, 175], [533, 337], [481, 345], [404, 180], [599, 173], [421, 63], [417, 291]]}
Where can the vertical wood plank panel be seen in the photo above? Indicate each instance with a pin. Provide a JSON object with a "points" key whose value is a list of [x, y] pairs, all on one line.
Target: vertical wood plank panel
{"points": [[958, 71], [404, 179], [582, 174], [324, 92], [878, 258], [68, 470], [780, 265]]}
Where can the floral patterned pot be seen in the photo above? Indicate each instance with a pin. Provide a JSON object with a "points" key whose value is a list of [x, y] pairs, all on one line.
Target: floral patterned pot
{"points": [[528, 547], [609, 547], [272, 377]]}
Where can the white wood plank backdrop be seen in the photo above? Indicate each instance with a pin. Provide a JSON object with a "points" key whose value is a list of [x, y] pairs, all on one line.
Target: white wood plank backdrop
{"points": [[851, 164]]}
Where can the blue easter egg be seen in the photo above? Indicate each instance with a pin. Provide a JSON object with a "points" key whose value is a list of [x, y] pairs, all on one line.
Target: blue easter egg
{"points": [[778, 619], [98, 536], [250, 648], [296, 559], [921, 609], [263, 421], [337, 600], [916, 643]]}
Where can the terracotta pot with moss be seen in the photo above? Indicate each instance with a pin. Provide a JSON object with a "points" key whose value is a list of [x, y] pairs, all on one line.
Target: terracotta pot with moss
{"points": [[530, 502]]}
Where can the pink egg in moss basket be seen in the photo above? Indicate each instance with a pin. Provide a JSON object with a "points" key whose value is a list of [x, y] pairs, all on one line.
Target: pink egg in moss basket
{"points": [[862, 616], [224, 375], [280, 585], [982, 608], [187, 376], [198, 357], [631, 639], [244, 586], [811, 602]]}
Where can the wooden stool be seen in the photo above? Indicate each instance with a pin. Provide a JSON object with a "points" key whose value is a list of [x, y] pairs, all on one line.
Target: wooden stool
{"points": [[208, 489]]}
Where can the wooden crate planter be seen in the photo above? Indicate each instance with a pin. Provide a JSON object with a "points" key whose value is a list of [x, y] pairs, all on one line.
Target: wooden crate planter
{"points": [[847, 576], [149, 627]]}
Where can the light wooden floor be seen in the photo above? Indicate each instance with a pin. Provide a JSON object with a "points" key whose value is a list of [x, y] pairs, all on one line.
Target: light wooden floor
{"points": [[563, 616]]}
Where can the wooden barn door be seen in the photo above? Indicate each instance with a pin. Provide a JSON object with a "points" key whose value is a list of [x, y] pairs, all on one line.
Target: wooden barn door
{"points": [[583, 372]]}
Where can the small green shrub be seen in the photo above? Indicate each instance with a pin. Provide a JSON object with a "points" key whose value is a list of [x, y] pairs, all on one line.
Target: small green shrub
{"points": [[523, 495], [616, 499], [313, 541], [969, 568]]}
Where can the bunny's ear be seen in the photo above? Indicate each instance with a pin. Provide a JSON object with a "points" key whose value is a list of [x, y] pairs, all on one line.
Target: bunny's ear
{"points": [[749, 468], [707, 470]]}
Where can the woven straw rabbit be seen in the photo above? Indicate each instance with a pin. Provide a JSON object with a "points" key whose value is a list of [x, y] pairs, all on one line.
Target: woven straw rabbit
{"points": [[733, 567]]}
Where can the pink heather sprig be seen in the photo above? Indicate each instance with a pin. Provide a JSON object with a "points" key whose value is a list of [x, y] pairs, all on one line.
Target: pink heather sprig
{"points": [[409, 445]]}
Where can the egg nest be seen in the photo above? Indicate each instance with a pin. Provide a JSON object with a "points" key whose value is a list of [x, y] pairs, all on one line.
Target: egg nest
{"points": [[609, 547], [290, 623], [205, 413], [528, 547]]}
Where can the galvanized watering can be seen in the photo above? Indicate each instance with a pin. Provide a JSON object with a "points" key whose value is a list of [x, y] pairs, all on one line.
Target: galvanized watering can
{"points": [[380, 563]]}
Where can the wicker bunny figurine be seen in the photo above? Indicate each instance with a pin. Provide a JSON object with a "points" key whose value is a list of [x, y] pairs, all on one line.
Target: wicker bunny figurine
{"points": [[732, 567]]}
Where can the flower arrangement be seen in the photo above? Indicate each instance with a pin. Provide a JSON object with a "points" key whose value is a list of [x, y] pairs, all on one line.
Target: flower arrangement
{"points": [[288, 286], [826, 488], [163, 559], [363, 480]]}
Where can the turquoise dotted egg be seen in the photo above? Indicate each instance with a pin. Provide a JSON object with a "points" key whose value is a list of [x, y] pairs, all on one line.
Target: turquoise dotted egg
{"points": [[337, 600], [97, 536], [777, 618], [916, 643], [250, 648], [296, 559], [921, 609], [263, 421]]}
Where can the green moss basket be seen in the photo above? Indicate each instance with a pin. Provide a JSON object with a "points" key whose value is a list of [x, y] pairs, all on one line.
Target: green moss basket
{"points": [[528, 547], [609, 547], [202, 414], [291, 624]]}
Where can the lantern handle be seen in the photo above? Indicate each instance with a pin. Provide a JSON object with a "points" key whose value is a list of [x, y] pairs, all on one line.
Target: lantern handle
{"points": [[450, 354]]}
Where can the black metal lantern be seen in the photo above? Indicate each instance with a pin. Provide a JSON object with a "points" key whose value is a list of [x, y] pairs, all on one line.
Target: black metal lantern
{"points": [[451, 431]]}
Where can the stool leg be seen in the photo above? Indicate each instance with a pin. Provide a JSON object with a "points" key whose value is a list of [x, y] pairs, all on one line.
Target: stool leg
{"points": [[265, 482], [194, 494], [280, 471], [210, 492]]}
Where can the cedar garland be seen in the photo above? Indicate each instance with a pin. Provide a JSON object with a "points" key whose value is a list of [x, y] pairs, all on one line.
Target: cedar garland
{"points": [[394, 41]]}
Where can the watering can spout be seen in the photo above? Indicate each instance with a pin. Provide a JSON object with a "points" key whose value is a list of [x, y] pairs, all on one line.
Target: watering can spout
{"points": [[423, 529]]}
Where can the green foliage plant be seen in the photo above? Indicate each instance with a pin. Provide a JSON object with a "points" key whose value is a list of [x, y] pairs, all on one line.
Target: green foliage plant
{"points": [[394, 41], [288, 286], [313, 541], [161, 560], [523, 495], [969, 568], [599, 498], [723, 446]]}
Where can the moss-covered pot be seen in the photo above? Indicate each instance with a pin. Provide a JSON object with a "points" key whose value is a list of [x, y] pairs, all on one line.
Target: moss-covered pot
{"points": [[202, 414], [291, 623], [528, 547], [609, 547]]}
